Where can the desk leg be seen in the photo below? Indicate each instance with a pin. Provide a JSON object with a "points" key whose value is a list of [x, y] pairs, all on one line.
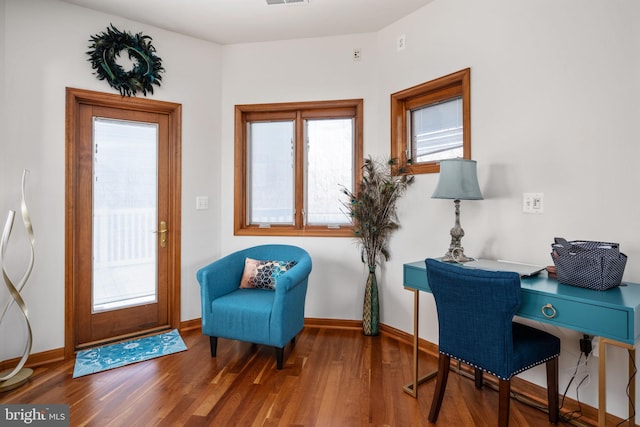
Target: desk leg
{"points": [[602, 380], [632, 385], [412, 388]]}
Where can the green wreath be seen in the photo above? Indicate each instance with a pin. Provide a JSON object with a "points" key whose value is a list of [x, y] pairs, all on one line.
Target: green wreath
{"points": [[106, 48]]}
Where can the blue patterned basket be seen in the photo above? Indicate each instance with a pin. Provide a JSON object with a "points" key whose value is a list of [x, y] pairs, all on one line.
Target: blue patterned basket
{"points": [[588, 264]]}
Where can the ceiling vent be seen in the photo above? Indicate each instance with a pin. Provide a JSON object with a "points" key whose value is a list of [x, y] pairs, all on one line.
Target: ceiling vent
{"points": [[287, 1]]}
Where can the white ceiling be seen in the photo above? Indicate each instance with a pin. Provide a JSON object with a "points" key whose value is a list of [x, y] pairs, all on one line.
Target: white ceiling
{"points": [[244, 21]]}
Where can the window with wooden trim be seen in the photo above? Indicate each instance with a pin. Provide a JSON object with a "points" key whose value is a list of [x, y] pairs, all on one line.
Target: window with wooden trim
{"points": [[291, 162], [431, 122]]}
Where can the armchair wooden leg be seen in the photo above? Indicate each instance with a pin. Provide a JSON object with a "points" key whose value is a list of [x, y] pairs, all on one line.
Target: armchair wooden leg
{"points": [[504, 400], [213, 343], [552, 390], [279, 357], [441, 385], [478, 378]]}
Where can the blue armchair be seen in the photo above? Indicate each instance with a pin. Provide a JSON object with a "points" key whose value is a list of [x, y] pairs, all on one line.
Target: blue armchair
{"points": [[475, 313], [260, 316]]}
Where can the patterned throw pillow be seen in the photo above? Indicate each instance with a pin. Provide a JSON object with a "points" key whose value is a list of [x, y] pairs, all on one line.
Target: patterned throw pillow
{"points": [[263, 274]]}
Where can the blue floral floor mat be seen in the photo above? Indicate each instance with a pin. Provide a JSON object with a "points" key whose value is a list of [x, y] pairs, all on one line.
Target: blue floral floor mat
{"points": [[116, 355]]}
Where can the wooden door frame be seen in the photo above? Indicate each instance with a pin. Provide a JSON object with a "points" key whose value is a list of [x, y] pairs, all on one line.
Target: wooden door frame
{"points": [[75, 98]]}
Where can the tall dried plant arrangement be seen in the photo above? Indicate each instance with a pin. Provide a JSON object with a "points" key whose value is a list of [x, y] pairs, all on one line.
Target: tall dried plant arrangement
{"points": [[373, 207], [373, 210]]}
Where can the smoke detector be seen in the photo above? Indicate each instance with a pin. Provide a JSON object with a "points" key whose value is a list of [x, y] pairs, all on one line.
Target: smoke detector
{"points": [[287, 1]]}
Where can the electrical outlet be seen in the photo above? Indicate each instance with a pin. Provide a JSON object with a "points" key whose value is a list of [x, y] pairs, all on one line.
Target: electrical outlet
{"points": [[595, 346], [401, 42], [356, 54]]}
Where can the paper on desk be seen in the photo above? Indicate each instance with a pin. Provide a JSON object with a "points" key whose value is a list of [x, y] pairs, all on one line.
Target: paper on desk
{"points": [[522, 269]]}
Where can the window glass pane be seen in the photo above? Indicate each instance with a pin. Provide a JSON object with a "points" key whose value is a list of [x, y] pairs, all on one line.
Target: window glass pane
{"points": [[271, 173], [436, 131], [329, 167], [124, 213]]}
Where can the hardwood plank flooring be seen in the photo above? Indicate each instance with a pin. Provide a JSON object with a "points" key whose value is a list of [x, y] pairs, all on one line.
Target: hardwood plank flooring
{"points": [[331, 377]]}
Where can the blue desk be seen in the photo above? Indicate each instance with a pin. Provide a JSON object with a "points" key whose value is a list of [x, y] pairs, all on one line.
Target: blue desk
{"points": [[612, 315]]}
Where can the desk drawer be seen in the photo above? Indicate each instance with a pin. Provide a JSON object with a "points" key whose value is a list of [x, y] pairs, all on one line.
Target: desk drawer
{"points": [[416, 278], [586, 317]]}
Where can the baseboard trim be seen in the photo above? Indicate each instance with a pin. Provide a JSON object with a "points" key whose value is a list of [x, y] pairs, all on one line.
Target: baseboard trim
{"points": [[310, 322], [35, 359], [519, 386], [189, 325]]}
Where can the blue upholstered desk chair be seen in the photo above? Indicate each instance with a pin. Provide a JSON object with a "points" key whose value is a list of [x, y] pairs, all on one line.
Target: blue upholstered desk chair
{"points": [[268, 317], [475, 313]]}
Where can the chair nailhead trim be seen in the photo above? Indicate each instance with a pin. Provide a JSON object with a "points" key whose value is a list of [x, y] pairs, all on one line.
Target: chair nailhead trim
{"points": [[493, 373]]}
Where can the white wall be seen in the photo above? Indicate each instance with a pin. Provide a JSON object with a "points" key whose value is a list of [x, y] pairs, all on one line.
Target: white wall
{"points": [[553, 90], [44, 52], [2, 104], [552, 109]]}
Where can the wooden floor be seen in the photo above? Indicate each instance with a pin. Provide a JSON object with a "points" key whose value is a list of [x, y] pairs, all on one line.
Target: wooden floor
{"points": [[331, 377]]}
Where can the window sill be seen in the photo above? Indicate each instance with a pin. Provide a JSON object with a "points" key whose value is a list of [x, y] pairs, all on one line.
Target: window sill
{"points": [[346, 231]]}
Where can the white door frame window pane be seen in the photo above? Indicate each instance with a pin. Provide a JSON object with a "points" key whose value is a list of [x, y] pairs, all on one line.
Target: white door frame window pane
{"points": [[124, 213]]}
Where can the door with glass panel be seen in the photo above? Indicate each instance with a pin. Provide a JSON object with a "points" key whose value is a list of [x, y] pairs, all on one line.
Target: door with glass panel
{"points": [[123, 224]]}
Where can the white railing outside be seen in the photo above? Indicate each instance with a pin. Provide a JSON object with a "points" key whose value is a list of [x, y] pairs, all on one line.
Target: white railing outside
{"points": [[124, 237]]}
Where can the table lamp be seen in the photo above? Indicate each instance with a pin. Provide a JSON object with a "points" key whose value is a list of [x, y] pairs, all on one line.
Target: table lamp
{"points": [[458, 181]]}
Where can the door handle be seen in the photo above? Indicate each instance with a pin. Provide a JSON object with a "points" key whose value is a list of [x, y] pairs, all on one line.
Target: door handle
{"points": [[163, 234]]}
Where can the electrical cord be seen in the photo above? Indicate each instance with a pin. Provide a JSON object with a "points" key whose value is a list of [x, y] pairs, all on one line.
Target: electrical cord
{"points": [[577, 413]]}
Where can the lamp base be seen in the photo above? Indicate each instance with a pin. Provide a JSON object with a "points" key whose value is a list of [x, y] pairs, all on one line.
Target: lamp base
{"points": [[456, 255], [21, 377], [456, 251]]}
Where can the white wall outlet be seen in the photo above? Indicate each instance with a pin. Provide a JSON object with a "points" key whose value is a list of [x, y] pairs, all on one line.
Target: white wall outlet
{"points": [[533, 203], [401, 42], [595, 346], [202, 203], [356, 54]]}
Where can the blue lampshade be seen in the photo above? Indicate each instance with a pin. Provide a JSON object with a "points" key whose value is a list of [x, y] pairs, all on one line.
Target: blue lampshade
{"points": [[458, 180]]}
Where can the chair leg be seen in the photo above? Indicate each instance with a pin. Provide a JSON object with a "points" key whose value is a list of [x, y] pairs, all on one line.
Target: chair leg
{"points": [[213, 343], [279, 357], [504, 400], [478, 378], [441, 385], [552, 390]]}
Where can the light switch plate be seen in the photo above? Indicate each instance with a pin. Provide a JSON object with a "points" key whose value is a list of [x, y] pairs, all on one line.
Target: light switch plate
{"points": [[533, 203], [202, 203]]}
